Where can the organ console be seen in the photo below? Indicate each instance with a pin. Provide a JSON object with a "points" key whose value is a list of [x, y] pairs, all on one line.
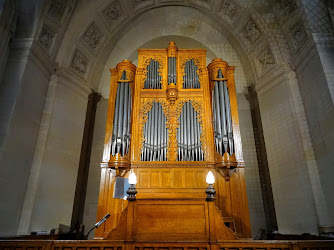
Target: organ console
{"points": [[171, 120]]}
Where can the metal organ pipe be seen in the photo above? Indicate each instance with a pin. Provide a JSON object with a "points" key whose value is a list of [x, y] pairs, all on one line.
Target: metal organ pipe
{"points": [[188, 135], [121, 124], [153, 78], [191, 79], [223, 119], [155, 135], [171, 70]]}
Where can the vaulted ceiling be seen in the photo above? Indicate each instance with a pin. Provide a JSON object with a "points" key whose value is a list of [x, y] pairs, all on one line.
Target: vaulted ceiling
{"points": [[88, 37]]}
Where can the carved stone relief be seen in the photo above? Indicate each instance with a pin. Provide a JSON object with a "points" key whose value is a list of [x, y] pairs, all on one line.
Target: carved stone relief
{"points": [[251, 32], [286, 6], [138, 2], [79, 62], [46, 37], [57, 9], [298, 34], [92, 36], [113, 12], [230, 9], [266, 58]]}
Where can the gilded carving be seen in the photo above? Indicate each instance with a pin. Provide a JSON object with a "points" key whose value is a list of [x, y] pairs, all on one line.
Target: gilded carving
{"points": [[147, 60], [129, 75], [197, 61], [198, 107], [145, 107], [172, 50]]}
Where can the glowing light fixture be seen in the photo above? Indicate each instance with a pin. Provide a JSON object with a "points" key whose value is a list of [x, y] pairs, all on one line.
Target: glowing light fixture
{"points": [[210, 191], [133, 179], [210, 179], [132, 189]]}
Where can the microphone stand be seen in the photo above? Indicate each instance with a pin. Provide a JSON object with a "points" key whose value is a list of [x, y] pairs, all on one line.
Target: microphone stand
{"points": [[98, 224]]}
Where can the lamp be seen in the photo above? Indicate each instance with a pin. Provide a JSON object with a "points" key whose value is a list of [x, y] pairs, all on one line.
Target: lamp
{"points": [[132, 189], [210, 191]]}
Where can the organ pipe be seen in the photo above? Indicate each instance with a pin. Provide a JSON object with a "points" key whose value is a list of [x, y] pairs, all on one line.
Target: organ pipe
{"points": [[171, 70], [188, 135], [120, 141], [223, 134], [191, 79], [155, 135], [153, 80]]}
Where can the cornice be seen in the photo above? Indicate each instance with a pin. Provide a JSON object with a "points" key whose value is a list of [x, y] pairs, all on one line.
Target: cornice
{"points": [[277, 74], [42, 60], [71, 80]]}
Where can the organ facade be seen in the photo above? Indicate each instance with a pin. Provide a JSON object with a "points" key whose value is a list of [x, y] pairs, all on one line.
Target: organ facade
{"points": [[171, 120]]}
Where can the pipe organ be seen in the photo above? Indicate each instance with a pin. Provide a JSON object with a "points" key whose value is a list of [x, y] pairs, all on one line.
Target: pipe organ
{"points": [[171, 120]]}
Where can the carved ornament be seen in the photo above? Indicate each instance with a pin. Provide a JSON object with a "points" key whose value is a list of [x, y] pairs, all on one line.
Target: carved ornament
{"points": [[79, 62], [145, 107], [92, 36], [57, 9], [46, 37], [286, 6], [172, 50], [197, 104], [266, 58], [197, 61], [230, 9], [251, 32], [298, 34], [160, 60], [113, 12]]}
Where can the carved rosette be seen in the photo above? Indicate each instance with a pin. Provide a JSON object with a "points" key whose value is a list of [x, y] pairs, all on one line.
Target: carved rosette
{"points": [[198, 107], [197, 61], [145, 107], [159, 59]]}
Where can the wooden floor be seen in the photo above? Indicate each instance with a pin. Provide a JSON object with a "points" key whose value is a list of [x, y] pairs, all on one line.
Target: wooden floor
{"points": [[122, 245]]}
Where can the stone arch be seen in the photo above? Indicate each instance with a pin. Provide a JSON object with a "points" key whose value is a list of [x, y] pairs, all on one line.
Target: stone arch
{"points": [[237, 29]]}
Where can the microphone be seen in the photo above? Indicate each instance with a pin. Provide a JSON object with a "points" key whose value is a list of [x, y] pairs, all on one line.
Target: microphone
{"points": [[97, 224], [102, 220]]}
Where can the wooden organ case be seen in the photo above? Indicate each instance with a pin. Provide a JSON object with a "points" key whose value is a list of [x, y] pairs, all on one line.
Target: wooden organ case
{"points": [[171, 120]]}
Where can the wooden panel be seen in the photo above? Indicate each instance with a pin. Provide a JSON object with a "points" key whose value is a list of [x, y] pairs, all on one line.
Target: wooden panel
{"points": [[156, 218], [189, 179], [200, 179], [178, 179], [166, 179], [155, 179], [143, 179]]}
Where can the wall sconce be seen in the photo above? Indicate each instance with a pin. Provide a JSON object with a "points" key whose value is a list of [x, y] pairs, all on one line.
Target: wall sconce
{"points": [[210, 191], [132, 189]]}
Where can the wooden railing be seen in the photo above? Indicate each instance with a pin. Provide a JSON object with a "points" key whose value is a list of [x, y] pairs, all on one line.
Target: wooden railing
{"points": [[121, 245]]}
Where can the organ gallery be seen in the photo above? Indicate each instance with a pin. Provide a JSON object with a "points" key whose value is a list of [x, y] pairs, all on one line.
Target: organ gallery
{"points": [[171, 120]]}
